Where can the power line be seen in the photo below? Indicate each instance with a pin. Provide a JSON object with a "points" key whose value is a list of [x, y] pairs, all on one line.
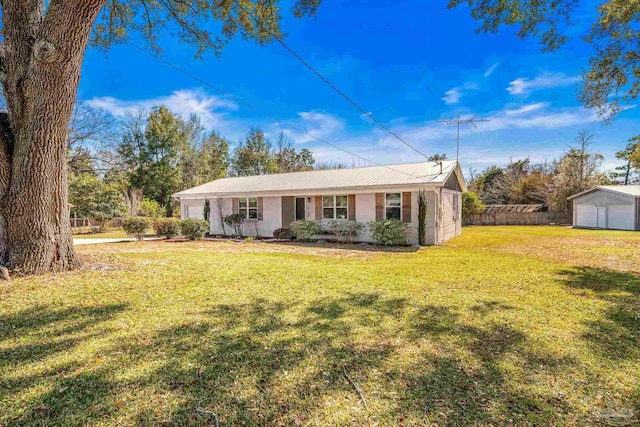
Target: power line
{"points": [[282, 122], [472, 121], [329, 83]]}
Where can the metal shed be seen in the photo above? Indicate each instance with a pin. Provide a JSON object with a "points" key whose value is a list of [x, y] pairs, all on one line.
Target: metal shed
{"points": [[614, 207]]}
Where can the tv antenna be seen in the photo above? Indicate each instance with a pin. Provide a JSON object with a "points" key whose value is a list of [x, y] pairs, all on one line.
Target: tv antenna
{"points": [[472, 121]]}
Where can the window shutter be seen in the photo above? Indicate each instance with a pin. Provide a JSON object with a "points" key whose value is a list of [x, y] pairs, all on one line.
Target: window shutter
{"points": [[351, 207], [234, 204], [379, 206], [318, 207], [259, 208], [406, 207]]}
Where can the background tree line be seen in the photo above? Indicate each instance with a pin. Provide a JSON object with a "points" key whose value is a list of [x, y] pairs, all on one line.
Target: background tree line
{"points": [[133, 166], [550, 183]]}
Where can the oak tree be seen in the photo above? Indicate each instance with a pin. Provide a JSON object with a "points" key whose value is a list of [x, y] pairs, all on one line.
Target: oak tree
{"points": [[41, 54]]}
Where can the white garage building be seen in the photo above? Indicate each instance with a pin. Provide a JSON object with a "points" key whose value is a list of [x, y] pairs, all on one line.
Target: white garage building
{"points": [[614, 207]]}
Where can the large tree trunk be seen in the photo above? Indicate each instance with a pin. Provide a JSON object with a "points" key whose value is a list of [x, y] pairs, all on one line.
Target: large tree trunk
{"points": [[41, 59]]}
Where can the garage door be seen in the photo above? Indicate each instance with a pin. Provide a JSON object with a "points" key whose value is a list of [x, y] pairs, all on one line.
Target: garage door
{"points": [[620, 217], [586, 216], [195, 211]]}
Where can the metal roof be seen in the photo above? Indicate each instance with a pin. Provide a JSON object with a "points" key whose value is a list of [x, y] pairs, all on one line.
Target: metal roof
{"points": [[630, 190], [409, 174]]}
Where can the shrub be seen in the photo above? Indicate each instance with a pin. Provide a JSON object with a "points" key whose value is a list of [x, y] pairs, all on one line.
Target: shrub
{"points": [[194, 228], [306, 230], [471, 204], [347, 230], [235, 222], [167, 227], [136, 226], [389, 232], [282, 233]]}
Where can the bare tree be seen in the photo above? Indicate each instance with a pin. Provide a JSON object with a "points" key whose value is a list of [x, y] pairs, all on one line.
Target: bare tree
{"points": [[578, 170], [132, 200], [92, 132]]}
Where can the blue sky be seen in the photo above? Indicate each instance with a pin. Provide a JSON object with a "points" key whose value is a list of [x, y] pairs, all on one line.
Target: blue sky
{"points": [[408, 62]]}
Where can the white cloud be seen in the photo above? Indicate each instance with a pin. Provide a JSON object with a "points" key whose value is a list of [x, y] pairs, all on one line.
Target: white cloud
{"points": [[522, 85], [212, 110], [543, 119], [491, 69], [526, 109], [452, 96], [314, 124]]}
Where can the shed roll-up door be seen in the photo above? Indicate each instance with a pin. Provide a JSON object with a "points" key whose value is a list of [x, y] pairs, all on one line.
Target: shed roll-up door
{"points": [[620, 217], [586, 216]]}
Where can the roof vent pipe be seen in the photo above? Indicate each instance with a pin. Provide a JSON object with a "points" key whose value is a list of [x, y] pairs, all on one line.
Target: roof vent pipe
{"points": [[440, 163]]}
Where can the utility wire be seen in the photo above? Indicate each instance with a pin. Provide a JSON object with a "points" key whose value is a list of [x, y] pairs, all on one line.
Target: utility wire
{"points": [[328, 82], [282, 122]]}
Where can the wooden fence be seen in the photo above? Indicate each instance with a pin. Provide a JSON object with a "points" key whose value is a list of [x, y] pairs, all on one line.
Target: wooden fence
{"points": [[519, 218], [85, 222], [80, 222]]}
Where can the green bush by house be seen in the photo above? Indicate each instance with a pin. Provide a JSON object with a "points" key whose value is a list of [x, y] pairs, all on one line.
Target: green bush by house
{"points": [[306, 230], [389, 232], [193, 228]]}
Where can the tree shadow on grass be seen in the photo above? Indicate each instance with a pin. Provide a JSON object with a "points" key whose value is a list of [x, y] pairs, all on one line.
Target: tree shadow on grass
{"points": [[49, 330], [263, 363], [364, 247], [31, 336], [281, 363], [615, 334]]}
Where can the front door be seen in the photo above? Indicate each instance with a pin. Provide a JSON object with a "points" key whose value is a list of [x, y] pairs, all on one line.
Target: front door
{"points": [[300, 208], [601, 217]]}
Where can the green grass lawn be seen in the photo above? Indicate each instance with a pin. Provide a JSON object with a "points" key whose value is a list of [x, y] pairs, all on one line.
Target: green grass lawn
{"points": [[501, 326], [107, 233]]}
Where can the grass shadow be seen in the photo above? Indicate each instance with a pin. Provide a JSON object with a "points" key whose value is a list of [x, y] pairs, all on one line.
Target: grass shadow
{"points": [[364, 247], [615, 334]]}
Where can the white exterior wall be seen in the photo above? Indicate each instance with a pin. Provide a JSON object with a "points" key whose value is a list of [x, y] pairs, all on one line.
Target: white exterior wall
{"points": [[365, 213], [451, 223], [227, 209], [310, 211], [272, 219], [431, 232]]}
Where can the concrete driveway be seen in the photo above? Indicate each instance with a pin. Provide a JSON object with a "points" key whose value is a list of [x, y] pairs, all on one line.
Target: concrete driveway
{"points": [[98, 240]]}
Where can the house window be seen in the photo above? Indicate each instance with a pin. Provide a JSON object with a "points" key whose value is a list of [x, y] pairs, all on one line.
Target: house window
{"points": [[248, 207], [393, 206], [334, 207]]}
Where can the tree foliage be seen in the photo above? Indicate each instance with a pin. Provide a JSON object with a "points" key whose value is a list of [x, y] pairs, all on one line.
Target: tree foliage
{"points": [[255, 155], [471, 204], [612, 78], [522, 182], [95, 199], [629, 172]]}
